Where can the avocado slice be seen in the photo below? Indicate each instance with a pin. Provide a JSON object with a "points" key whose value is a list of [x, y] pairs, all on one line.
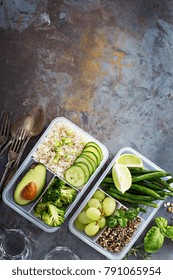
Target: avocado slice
{"points": [[31, 185]]}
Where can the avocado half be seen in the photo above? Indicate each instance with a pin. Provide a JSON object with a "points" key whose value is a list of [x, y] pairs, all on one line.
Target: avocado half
{"points": [[31, 185]]}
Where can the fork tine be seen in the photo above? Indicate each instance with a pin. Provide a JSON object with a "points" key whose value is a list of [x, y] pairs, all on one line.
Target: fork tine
{"points": [[13, 144], [21, 139], [18, 140]]}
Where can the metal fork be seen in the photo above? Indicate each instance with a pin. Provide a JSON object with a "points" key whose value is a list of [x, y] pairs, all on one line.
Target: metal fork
{"points": [[4, 128], [14, 151]]}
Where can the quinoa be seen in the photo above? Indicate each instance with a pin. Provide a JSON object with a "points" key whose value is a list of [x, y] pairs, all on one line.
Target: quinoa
{"points": [[115, 239]]}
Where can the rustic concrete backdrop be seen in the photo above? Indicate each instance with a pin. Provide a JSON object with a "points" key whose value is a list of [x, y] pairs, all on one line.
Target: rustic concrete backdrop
{"points": [[104, 64]]}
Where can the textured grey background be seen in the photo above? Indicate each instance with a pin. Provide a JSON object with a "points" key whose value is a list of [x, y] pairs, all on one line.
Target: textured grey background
{"points": [[106, 66]]}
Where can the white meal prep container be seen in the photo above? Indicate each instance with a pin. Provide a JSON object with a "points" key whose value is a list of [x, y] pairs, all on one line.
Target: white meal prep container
{"points": [[145, 217], [28, 210]]}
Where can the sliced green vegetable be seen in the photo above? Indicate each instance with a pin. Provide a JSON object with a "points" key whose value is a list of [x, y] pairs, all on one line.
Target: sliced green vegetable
{"points": [[75, 176]]}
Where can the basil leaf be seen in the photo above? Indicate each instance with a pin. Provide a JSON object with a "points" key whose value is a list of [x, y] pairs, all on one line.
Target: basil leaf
{"points": [[131, 214], [122, 222], [120, 213], [153, 240], [112, 221], [161, 222], [167, 231]]}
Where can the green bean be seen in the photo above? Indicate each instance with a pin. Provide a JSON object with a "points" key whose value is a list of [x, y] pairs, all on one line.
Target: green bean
{"points": [[140, 171], [130, 195], [164, 184], [108, 180], [152, 175], [151, 186], [164, 193], [169, 181], [145, 190], [122, 198]]}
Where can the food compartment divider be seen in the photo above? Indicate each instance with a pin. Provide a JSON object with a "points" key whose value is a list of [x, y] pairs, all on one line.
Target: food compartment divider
{"points": [[27, 211], [145, 217]]}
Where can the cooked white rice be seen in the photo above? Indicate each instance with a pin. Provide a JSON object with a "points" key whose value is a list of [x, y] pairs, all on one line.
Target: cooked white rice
{"points": [[58, 159]]}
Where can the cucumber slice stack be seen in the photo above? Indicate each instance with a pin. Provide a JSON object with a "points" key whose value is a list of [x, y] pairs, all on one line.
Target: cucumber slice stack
{"points": [[85, 165]]}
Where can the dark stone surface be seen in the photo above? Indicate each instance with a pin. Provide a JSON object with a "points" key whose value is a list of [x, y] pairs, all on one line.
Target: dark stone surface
{"points": [[106, 66]]}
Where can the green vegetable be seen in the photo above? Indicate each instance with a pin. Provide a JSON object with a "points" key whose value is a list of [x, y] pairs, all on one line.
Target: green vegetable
{"points": [[111, 221], [164, 184], [151, 185], [59, 193], [67, 194], [149, 176], [108, 180], [121, 217], [51, 194], [130, 200], [169, 181], [51, 209], [53, 216], [131, 214], [122, 222], [40, 208], [154, 238], [145, 190], [130, 195], [167, 232], [161, 222], [141, 171]]}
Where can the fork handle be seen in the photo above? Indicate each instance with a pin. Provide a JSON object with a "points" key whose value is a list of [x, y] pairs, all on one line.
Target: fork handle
{"points": [[8, 166]]}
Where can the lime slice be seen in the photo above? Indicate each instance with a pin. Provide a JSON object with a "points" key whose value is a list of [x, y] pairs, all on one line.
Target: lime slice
{"points": [[122, 177], [130, 160]]}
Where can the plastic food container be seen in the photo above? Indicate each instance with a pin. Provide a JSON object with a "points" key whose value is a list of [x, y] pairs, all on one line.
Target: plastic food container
{"points": [[28, 210], [145, 217]]}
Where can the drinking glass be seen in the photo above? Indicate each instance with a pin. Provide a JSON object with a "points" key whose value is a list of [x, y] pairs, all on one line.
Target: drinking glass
{"points": [[61, 253], [14, 245]]}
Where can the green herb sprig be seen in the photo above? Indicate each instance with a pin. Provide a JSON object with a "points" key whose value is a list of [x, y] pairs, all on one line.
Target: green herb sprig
{"points": [[121, 217]]}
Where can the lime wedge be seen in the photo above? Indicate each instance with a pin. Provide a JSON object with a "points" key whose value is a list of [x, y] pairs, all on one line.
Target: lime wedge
{"points": [[130, 160], [122, 177]]}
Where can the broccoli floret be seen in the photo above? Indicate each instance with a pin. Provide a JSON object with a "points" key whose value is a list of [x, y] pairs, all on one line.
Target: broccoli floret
{"points": [[58, 203], [57, 183], [51, 195], [40, 208], [53, 216], [67, 194]]}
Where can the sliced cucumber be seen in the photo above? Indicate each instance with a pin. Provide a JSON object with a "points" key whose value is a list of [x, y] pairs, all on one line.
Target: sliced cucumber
{"points": [[75, 176], [87, 161], [86, 170], [92, 156], [93, 150], [97, 146], [93, 163]]}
